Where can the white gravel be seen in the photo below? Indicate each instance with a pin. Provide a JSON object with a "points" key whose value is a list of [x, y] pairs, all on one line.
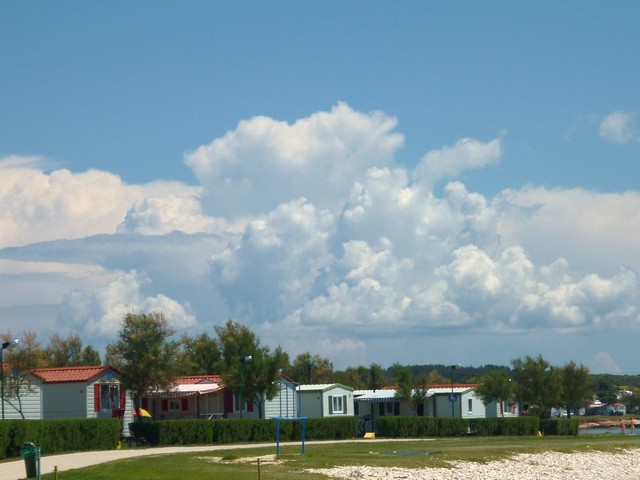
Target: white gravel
{"points": [[622, 465]]}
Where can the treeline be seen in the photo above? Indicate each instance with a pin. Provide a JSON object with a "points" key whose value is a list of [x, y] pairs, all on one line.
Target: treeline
{"points": [[147, 343]]}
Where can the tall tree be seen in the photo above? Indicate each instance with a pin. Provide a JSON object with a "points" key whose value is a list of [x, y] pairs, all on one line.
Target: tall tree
{"points": [[576, 386], [248, 367], [404, 379], [308, 368], [144, 354], [495, 387], [199, 355], [69, 352], [20, 360], [537, 384]]}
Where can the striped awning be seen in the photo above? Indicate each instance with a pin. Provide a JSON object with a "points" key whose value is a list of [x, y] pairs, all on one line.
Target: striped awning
{"points": [[188, 390], [379, 396]]}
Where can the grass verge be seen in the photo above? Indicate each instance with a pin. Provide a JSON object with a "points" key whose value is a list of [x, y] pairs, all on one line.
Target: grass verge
{"points": [[242, 463]]}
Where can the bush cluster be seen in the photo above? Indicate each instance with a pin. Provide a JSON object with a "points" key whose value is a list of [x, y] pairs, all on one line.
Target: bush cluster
{"points": [[59, 436], [418, 427], [189, 432]]}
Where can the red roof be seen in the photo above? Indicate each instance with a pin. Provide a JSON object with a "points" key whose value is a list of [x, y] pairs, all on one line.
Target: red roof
{"points": [[69, 374], [193, 379]]}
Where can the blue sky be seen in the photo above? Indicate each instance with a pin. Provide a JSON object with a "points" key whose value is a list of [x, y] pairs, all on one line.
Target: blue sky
{"points": [[420, 182]]}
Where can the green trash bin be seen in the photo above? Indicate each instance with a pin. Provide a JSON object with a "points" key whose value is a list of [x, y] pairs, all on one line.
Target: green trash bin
{"points": [[30, 454]]}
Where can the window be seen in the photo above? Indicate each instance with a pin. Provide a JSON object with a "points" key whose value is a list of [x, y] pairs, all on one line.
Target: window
{"points": [[338, 407], [470, 405], [174, 405], [106, 396], [337, 404]]}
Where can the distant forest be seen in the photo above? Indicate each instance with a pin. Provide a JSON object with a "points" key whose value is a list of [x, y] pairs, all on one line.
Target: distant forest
{"points": [[464, 374]]}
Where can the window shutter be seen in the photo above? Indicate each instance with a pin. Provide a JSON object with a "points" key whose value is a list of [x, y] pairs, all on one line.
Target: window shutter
{"points": [[396, 408], [123, 398], [330, 404], [344, 404], [145, 403], [249, 405], [229, 402], [184, 404], [96, 397], [165, 405], [381, 409]]}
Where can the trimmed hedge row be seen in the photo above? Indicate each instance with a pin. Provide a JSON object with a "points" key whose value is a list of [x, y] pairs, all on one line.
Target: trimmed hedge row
{"points": [[418, 427], [59, 436], [189, 432], [556, 426]]}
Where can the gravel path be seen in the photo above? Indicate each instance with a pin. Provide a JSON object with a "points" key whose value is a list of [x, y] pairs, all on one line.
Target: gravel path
{"points": [[622, 465]]}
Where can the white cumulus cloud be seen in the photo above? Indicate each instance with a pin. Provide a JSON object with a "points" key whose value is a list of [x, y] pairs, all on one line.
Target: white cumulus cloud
{"points": [[265, 162], [101, 311], [620, 127]]}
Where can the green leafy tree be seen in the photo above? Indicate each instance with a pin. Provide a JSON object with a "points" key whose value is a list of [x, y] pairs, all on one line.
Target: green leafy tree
{"points": [[495, 387], [144, 354], [404, 380], [248, 367], [199, 355], [308, 368], [576, 388], [69, 352], [19, 361], [537, 384]]}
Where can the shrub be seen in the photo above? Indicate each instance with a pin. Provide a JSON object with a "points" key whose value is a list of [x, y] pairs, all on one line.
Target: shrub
{"points": [[58, 436]]}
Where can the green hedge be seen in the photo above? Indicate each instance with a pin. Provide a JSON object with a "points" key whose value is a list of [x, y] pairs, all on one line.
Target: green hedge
{"points": [[518, 426], [59, 436], [560, 426], [418, 427], [189, 432]]}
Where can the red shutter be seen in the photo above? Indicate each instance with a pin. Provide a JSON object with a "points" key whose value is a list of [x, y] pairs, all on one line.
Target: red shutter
{"points": [[96, 397], [184, 404], [123, 398], [145, 403], [229, 400], [165, 405], [249, 405]]}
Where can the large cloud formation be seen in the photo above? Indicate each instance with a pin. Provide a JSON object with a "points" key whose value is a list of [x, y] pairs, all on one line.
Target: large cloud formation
{"points": [[314, 235]]}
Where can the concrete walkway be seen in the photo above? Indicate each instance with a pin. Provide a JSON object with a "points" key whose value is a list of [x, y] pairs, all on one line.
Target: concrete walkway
{"points": [[16, 470]]}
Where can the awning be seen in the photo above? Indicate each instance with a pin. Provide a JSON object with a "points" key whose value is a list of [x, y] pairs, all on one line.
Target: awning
{"points": [[379, 396], [188, 390]]}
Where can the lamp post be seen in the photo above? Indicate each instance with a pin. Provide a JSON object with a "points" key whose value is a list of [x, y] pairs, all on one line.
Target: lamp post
{"points": [[244, 360], [453, 396], [15, 341]]}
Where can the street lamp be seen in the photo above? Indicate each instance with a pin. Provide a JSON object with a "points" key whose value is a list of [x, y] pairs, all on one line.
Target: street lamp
{"points": [[15, 341], [453, 397], [244, 360]]}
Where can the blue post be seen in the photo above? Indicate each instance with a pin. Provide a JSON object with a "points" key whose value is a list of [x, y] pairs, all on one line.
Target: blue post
{"points": [[277, 436], [304, 432]]}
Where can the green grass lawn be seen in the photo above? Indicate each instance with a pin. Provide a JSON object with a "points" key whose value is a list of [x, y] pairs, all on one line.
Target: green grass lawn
{"points": [[241, 463]]}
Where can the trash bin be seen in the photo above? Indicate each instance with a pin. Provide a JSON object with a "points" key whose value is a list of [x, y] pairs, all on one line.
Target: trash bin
{"points": [[30, 454]]}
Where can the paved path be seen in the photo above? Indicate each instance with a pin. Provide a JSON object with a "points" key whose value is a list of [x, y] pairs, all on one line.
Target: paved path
{"points": [[16, 470]]}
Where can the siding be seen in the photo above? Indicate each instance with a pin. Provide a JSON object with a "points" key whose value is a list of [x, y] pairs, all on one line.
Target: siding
{"points": [[63, 400], [284, 404], [31, 399]]}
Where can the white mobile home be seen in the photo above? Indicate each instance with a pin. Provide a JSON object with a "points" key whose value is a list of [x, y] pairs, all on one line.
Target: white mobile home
{"points": [[326, 400]]}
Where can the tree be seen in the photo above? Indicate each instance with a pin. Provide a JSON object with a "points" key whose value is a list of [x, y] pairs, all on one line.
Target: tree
{"points": [[308, 368], [144, 354], [199, 356], [537, 384], [437, 378], [495, 387], [576, 389], [69, 352], [23, 358], [404, 379], [248, 367]]}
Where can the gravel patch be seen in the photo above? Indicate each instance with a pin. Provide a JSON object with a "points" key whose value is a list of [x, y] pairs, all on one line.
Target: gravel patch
{"points": [[622, 465]]}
